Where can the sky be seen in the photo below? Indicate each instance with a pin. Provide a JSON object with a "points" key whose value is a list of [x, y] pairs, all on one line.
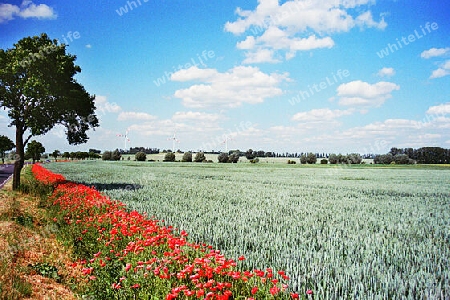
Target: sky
{"points": [[286, 76]]}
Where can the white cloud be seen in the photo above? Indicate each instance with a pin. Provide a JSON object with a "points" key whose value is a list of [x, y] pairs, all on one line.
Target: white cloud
{"points": [[26, 10], [129, 115], [441, 109], [434, 52], [320, 115], [103, 106], [260, 56], [89, 46], [196, 116], [444, 70], [360, 93], [294, 25], [239, 85], [386, 72]]}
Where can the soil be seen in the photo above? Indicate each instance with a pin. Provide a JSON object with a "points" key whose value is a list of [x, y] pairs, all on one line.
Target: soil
{"points": [[28, 248]]}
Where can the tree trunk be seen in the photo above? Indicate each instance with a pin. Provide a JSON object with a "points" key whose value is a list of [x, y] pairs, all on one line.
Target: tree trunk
{"points": [[19, 159]]}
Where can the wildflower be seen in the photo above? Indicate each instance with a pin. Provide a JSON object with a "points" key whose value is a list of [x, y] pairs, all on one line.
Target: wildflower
{"points": [[309, 292], [254, 290]]}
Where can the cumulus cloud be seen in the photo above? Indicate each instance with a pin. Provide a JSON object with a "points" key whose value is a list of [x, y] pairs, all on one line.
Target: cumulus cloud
{"points": [[196, 116], [130, 115], [434, 52], [103, 106], [360, 93], [386, 72], [320, 115], [444, 70], [26, 10], [441, 109], [242, 84], [299, 25]]}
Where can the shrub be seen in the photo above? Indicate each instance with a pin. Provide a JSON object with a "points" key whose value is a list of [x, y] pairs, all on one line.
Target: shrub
{"points": [[223, 157], [234, 157], [291, 162], [311, 158], [116, 155], [170, 156], [187, 157], [324, 161], [106, 155], [254, 161], [200, 157], [140, 156]]}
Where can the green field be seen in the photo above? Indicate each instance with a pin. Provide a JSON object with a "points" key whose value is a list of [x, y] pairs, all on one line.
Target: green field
{"points": [[365, 232]]}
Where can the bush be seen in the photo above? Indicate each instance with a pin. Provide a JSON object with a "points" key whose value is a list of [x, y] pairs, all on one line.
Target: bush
{"points": [[116, 155], [140, 156], [254, 161], [200, 157], [187, 157], [324, 161], [333, 159], [170, 156], [234, 157], [291, 162], [223, 157], [311, 158], [106, 155]]}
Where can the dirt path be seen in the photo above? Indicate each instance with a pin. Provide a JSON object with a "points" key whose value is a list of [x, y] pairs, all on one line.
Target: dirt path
{"points": [[28, 248]]}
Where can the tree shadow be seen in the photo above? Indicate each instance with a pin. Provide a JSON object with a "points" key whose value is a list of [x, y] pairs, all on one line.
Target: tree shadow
{"points": [[114, 186]]}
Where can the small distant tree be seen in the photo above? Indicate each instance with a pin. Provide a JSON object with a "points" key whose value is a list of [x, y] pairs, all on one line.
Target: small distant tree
{"points": [[234, 157], [170, 156], [106, 155], [250, 154], [55, 154], [303, 159], [223, 157], [187, 157], [116, 155], [5, 145], [199, 157], [311, 158], [66, 155], [140, 156], [401, 159], [333, 159], [34, 150]]}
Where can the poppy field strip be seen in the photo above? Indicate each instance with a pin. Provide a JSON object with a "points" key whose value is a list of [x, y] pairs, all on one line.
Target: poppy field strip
{"points": [[131, 256], [339, 231]]}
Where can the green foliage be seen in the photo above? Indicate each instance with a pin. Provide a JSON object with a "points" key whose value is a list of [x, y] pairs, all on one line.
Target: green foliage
{"points": [[46, 270], [140, 156], [5, 145], [106, 155], [223, 157], [187, 157], [291, 162], [199, 157], [116, 155], [39, 91], [170, 156], [34, 150], [323, 161], [250, 154], [234, 157], [254, 161]]}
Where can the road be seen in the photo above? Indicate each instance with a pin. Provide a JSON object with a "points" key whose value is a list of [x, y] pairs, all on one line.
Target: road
{"points": [[5, 172]]}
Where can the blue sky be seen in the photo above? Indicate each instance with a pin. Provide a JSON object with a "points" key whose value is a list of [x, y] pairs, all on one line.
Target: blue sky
{"points": [[324, 76]]}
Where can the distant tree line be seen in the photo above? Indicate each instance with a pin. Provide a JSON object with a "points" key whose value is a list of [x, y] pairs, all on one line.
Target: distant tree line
{"points": [[424, 155]]}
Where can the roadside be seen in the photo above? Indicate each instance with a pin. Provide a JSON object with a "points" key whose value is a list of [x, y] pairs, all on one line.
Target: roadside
{"points": [[33, 263]]}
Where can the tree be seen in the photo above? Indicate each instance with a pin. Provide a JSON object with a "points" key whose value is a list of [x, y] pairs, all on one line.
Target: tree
{"points": [[311, 158], [115, 155], [187, 157], [38, 89], [140, 156], [303, 159], [55, 154], [250, 154], [35, 150], [199, 157], [170, 156], [354, 158], [106, 155], [234, 157], [223, 157], [5, 145], [66, 155], [333, 159]]}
